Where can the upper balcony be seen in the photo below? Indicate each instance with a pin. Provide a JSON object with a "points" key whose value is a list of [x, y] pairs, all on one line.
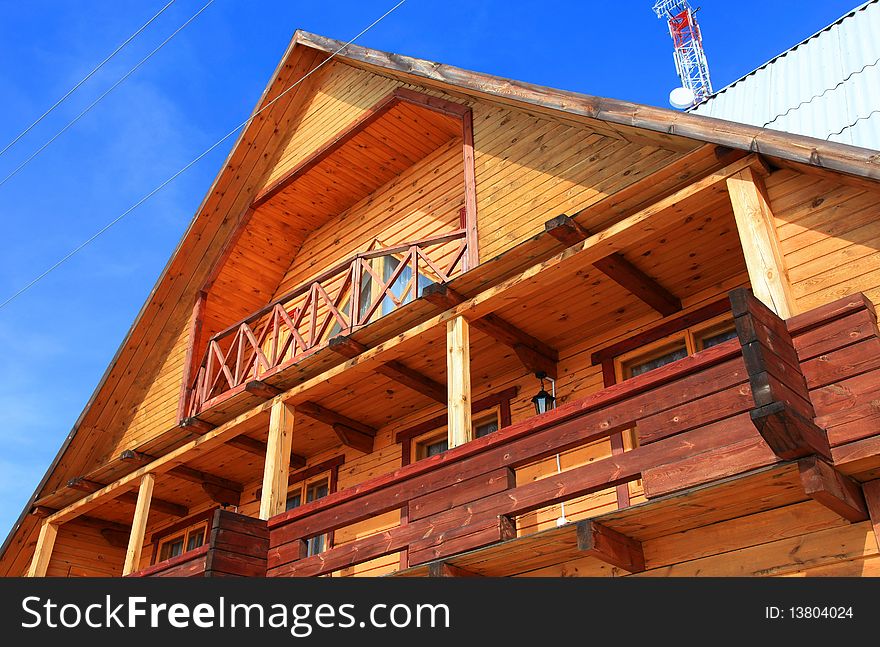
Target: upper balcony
{"points": [[336, 239]]}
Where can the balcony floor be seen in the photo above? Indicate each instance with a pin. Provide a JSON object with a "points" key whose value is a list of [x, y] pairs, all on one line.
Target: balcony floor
{"points": [[739, 496]]}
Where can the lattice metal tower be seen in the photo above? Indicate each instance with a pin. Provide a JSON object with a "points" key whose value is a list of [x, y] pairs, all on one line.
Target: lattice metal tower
{"points": [[690, 59]]}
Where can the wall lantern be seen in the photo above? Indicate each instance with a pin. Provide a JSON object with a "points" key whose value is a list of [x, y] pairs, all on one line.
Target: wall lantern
{"points": [[543, 401]]}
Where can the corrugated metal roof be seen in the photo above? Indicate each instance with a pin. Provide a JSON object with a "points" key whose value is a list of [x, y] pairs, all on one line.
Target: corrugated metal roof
{"points": [[827, 86]]}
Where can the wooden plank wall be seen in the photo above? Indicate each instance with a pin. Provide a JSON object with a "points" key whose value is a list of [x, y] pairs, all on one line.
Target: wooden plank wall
{"points": [[829, 234], [81, 551]]}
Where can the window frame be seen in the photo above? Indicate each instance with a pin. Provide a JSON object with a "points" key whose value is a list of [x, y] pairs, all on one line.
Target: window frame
{"points": [[421, 443], [181, 529]]}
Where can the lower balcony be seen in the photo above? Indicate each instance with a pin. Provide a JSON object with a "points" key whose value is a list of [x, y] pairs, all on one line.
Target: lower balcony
{"points": [[744, 427]]}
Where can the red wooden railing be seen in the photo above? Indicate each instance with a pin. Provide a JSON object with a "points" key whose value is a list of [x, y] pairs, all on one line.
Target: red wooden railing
{"points": [[732, 408], [739, 406], [302, 321]]}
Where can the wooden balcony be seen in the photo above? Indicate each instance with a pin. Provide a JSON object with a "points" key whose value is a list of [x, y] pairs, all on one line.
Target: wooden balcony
{"points": [[250, 357], [778, 416], [724, 433], [236, 547]]}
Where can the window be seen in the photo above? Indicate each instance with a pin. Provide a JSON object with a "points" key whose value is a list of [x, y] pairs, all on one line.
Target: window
{"points": [[436, 442], [675, 347], [312, 491], [183, 541]]}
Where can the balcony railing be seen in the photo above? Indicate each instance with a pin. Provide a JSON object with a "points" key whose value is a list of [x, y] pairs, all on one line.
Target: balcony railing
{"points": [[302, 321], [733, 409], [730, 409]]}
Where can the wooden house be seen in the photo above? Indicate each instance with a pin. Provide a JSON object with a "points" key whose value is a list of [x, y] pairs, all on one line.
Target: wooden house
{"points": [[433, 322]]}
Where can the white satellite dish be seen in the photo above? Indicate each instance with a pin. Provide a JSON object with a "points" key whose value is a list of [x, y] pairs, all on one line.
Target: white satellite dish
{"points": [[681, 98]]}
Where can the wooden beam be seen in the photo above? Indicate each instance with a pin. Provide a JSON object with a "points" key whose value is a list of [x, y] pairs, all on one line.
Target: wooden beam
{"points": [[139, 524], [566, 230], [760, 242], [261, 389], [323, 414], [535, 355], [277, 466], [458, 379], [43, 550], [639, 284], [610, 546], [832, 489], [871, 490], [41, 511], [244, 443], [116, 534], [397, 371], [617, 268], [445, 569], [160, 505], [220, 490]]}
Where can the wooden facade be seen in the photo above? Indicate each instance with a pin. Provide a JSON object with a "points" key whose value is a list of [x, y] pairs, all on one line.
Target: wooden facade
{"points": [[334, 375]]}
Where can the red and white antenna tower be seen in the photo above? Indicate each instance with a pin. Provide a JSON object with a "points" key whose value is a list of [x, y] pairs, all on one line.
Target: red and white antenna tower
{"points": [[690, 59]]}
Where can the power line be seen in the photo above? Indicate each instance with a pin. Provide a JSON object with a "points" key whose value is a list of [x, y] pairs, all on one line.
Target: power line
{"points": [[85, 78], [180, 172], [119, 82]]}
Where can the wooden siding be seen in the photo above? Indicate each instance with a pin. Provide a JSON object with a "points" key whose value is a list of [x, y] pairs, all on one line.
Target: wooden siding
{"points": [[829, 234]]}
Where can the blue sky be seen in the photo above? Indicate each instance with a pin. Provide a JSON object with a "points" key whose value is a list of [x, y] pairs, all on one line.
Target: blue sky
{"points": [[58, 338]]}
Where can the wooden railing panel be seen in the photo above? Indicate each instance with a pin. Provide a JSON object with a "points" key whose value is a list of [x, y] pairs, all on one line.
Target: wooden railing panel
{"points": [[340, 300]]}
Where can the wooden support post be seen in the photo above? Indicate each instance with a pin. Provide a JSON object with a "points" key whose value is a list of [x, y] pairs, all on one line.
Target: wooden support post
{"points": [[871, 490], [244, 443], [43, 550], [610, 546], [535, 355], [139, 525], [760, 243], [458, 368], [832, 489], [277, 466]]}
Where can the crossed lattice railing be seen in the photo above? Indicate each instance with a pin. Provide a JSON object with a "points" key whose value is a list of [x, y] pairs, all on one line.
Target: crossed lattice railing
{"points": [[338, 301]]}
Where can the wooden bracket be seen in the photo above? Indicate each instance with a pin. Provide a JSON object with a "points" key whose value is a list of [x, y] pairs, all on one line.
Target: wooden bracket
{"points": [[352, 433], [535, 355], [167, 507], [783, 412], [832, 489], [400, 373], [445, 569], [244, 443], [262, 390], [220, 489], [610, 546], [567, 231]]}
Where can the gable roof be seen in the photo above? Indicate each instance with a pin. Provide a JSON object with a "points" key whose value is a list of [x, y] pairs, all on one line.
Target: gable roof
{"points": [[231, 193], [826, 86]]}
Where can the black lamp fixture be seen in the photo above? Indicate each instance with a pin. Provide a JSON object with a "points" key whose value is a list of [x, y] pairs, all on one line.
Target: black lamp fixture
{"points": [[543, 401]]}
